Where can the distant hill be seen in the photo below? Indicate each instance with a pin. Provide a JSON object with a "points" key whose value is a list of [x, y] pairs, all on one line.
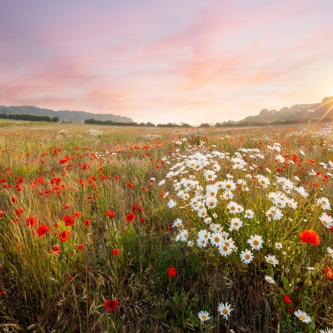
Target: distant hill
{"points": [[298, 113], [64, 115]]}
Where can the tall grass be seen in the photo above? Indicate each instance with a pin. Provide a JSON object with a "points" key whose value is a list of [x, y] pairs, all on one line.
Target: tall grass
{"points": [[42, 291]]}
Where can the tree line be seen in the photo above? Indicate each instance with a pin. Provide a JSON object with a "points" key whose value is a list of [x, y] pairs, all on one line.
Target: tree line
{"points": [[148, 124], [29, 117]]}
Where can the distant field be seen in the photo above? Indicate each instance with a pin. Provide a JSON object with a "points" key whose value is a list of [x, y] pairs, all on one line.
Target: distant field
{"points": [[119, 229]]}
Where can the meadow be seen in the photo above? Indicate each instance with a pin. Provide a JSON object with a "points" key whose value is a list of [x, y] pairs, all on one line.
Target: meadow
{"points": [[115, 229]]}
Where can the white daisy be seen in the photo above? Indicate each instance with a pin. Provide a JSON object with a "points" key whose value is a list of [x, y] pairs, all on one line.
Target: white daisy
{"points": [[211, 202], [211, 190], [246, 256], [224, 309], [239, 163], [272, 260], [249, 214], [209, 175], [278, 245], [292, 203], [279, 158], [202, 213], [323, 203], [255, 242], [227, 195], [304, 317], [203, 316], [178, 223], [203, 234], [228, 185], [330, 251], [235, 223], [269, 279], [263, 181], [326, 330], [183, 235], [215, 227], [202, 242], [208, 220], [216, 239], [326, 220], [172, 203], [232, 206], [225, 250]]}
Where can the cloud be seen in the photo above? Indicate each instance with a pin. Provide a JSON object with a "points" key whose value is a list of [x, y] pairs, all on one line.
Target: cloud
{"points": [[158, 61]]}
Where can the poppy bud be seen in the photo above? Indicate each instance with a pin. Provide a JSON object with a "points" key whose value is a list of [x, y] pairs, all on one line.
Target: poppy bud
{"points": [[286, 299], [172, 272]]}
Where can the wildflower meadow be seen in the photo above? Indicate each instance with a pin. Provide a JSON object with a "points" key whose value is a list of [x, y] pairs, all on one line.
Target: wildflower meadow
{"points": [[116, 229]]}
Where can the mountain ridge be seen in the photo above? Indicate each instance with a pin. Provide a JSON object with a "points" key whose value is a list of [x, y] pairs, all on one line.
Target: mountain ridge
{"points": [[64, 115], [320, 111]]}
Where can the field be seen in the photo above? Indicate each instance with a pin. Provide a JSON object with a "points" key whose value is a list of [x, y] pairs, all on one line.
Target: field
{"points": [[109, 229]]}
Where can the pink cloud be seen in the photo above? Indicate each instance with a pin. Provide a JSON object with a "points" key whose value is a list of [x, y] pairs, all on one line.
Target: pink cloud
{"points": [[167, 57]]}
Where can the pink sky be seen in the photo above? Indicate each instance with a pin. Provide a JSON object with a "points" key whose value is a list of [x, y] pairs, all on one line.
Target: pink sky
{"points": [[166, 61]]}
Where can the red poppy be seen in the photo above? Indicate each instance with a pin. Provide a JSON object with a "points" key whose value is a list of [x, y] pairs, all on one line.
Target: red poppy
{"points": [[136, 207], [80, 247], [115, 252], [142, 219], [13, 199], [286, 299], [328, 272], [77, 214], [87, 222], [31, 221], [56, 249], [110, 213], [64, 235], [110, 305], [68, 220], [172, 272], [309, 237], [64, 160], [130, 217], [291, 311], [19, 211], [130, 185], [1, 213], [42, 230]]}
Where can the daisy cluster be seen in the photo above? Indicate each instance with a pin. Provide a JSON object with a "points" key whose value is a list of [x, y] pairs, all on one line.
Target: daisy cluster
{"points": [[224, 199]]}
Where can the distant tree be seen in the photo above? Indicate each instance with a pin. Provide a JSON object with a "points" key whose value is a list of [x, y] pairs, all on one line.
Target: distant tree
{"points": [[55, 119], [204, 125]]}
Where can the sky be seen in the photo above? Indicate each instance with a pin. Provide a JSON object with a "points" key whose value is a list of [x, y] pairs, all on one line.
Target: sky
{"points": [[189, 61]]}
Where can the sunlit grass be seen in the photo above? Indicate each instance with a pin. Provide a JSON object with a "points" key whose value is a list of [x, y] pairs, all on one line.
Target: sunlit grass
{"points": [[52, 171]]}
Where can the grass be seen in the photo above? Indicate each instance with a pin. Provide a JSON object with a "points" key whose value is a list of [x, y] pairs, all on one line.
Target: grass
{"points": [[42, 291]]}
